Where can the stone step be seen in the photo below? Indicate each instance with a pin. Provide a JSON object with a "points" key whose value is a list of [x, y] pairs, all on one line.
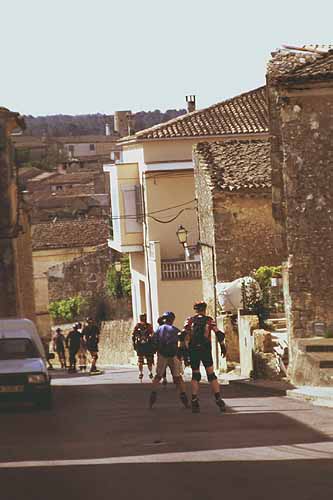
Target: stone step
{"points": [[314, 362], [318, 396], [278, 323]]}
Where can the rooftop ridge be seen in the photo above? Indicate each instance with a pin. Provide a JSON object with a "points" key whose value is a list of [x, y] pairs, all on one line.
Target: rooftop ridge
{"points": [[193, 128]]}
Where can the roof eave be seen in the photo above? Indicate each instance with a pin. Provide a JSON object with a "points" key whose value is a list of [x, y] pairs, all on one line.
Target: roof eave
{"points": [[199, 138]]}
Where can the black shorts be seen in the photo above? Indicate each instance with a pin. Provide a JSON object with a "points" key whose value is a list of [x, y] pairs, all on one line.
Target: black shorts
{"points": [[201, 354]]}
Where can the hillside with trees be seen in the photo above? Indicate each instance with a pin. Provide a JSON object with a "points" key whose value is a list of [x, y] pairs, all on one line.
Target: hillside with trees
{"points": [[94, 124]]}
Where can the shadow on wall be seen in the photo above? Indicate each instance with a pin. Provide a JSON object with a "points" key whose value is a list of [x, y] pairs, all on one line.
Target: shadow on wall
{"points": [[105, 308]]}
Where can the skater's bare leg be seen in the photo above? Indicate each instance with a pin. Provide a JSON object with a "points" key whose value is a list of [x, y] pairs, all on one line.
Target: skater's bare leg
{"points": [[150, 368]]}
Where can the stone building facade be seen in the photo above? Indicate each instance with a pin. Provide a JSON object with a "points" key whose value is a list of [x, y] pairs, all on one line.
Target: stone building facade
{"points": [[300, 90], [16, 290], [237, 231], [86, 276], [56, 243]]}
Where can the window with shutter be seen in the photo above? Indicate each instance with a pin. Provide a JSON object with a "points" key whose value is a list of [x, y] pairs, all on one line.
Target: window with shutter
{"points": [[130, 210], [138, 203]]}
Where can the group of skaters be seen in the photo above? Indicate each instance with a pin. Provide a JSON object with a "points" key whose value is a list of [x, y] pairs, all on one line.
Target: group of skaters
{"points": [[191, 346], [80, 341]]}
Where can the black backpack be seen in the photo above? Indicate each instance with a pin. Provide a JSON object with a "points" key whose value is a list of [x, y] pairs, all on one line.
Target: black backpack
{"points": [[199, 325], [141, 336], [167, 340]]}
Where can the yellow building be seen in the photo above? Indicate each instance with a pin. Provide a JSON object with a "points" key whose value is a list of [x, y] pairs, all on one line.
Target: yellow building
{"points": [[153, 193]]}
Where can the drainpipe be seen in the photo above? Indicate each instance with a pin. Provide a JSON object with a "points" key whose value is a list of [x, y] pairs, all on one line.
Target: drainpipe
{"points": [[146, 247]]}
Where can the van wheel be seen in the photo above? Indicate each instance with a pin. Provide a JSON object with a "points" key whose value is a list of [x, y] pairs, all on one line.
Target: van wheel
{"points": [[45, 402]]}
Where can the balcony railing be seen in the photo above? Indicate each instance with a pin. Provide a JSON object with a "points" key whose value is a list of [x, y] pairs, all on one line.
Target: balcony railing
{"points": [[181, 270]]}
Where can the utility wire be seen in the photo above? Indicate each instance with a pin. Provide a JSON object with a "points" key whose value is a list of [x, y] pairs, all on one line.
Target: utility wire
{"points": [[165, 176], [140, 216], [136, 216], [173, 218]]}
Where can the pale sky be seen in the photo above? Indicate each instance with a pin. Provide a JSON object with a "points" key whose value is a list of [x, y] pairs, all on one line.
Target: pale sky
{"points": [[88, 56]]}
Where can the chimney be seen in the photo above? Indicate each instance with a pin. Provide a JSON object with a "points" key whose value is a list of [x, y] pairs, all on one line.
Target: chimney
{"points": [[107, 129], [190, 99]]}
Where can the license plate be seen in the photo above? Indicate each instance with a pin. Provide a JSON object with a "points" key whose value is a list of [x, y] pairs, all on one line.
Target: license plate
{"points": [[11, 388]]}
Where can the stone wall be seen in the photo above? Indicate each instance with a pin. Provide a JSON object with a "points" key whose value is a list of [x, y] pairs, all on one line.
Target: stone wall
{"points": [[304, 122], [16, 290], [206, 232], [116, 343], [25, 282], [246, 235], [229, 326], [86, 276]]}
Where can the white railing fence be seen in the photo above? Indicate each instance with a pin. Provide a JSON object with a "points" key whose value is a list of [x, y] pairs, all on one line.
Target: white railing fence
{"points": [[181, 270]]}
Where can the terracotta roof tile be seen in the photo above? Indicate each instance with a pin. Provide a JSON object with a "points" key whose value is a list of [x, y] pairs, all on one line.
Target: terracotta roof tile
{"points": [[70, 178], [69, 234], [244, 114], [235, 165], [47, 200]]}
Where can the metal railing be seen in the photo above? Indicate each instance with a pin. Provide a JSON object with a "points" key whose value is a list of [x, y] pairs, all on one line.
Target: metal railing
{"points": [[181, 270]]}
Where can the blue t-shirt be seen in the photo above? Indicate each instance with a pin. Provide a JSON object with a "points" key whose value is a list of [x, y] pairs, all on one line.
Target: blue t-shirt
{"points": [[166, 338]]}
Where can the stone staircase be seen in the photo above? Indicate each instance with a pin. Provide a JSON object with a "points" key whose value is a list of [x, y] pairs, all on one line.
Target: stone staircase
{"points": [[314, 362], [280, 324]]}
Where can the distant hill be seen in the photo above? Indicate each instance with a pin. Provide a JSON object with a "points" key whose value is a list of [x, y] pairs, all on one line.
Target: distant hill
{"points": [[66, 125]]}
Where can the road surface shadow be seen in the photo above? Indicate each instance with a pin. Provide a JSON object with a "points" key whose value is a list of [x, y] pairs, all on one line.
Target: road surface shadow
{"points": [[114, 420]]}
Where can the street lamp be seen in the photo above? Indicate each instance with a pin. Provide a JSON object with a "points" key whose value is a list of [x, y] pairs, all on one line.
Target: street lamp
{"points": [[182, 238], [118, 284], [182, 235], [117, 266]]}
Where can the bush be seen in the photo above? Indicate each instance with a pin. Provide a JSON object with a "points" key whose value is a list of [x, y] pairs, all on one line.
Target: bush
{"points": [[67, 309], [329, 332], [262, 306]]}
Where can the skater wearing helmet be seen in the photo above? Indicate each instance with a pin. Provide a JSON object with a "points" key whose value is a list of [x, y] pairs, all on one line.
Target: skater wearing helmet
{"points": [[166, 340], [197, 338], [142, 338]]}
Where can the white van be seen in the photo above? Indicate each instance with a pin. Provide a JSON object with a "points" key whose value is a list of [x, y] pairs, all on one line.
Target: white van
{"points": [[23, 368]]}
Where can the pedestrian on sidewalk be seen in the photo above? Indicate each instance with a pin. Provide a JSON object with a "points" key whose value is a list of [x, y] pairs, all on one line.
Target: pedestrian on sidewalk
{"points": [[82, 354], [91, 334], [142, 338], [166, 340], [59, 343], [197, 338], [73, 346]]}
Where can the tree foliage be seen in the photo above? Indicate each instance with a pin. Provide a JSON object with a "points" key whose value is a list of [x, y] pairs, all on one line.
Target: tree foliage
{"points": [[119, 283], [94, 124], [67, 309]]}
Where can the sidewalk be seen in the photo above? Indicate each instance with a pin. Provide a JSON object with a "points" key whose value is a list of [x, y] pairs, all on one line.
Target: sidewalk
{"points": [[318, 396]]}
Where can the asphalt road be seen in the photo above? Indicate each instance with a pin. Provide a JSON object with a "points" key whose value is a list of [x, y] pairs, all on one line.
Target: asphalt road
{"points": [[102, 442]]}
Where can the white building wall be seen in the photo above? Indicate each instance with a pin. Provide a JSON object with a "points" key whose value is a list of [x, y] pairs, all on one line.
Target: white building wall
{"points": [[81, 149]]}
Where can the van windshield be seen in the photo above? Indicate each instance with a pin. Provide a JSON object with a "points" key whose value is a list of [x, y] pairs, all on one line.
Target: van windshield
{"points": [[17, 349]]}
